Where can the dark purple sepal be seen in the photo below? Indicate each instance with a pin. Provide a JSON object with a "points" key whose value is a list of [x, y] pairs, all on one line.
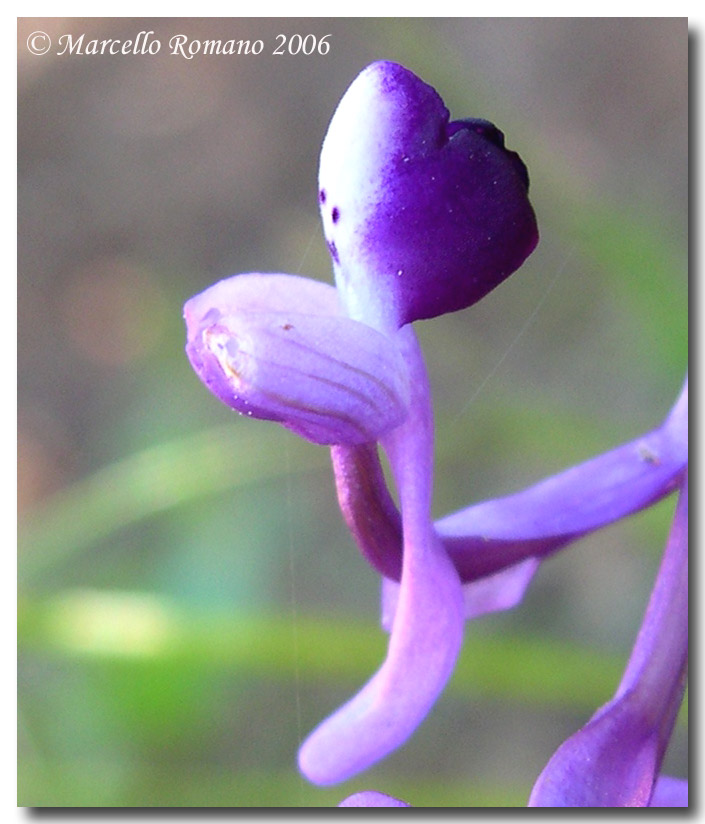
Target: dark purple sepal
{"points": [[425, 216]]}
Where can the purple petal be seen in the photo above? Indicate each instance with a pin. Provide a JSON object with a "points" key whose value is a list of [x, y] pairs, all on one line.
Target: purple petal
{"points": [[326, 377], [428, 625], [501, 591], [495, 593], [422, 216], [656, 673], [493, 534], [611, 762], [670, 792], [370, 798], [614, 760]]}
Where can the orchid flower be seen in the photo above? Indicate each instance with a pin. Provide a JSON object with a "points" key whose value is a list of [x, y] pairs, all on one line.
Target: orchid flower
{"points": [[399, 186], [422, 216]]}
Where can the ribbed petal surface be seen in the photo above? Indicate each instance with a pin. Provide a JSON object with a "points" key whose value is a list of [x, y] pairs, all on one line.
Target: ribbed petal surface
{"points": [[330, 379]]}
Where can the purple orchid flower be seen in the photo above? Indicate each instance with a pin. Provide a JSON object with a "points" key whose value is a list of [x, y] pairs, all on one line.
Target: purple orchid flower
{"points": [[422, 216], [399, 185]]}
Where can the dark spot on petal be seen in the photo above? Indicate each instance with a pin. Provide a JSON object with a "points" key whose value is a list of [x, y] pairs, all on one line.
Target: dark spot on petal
{"points": [[287, 327], [322, 196], [335, 214], [333, 251]]}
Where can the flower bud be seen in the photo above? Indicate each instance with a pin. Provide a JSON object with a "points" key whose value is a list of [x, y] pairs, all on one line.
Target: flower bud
{"points": [[330, 379], [421, 216]]}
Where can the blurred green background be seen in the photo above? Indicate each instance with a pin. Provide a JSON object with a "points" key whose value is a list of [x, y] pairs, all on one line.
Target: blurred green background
{"points": [[190, 603]]}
